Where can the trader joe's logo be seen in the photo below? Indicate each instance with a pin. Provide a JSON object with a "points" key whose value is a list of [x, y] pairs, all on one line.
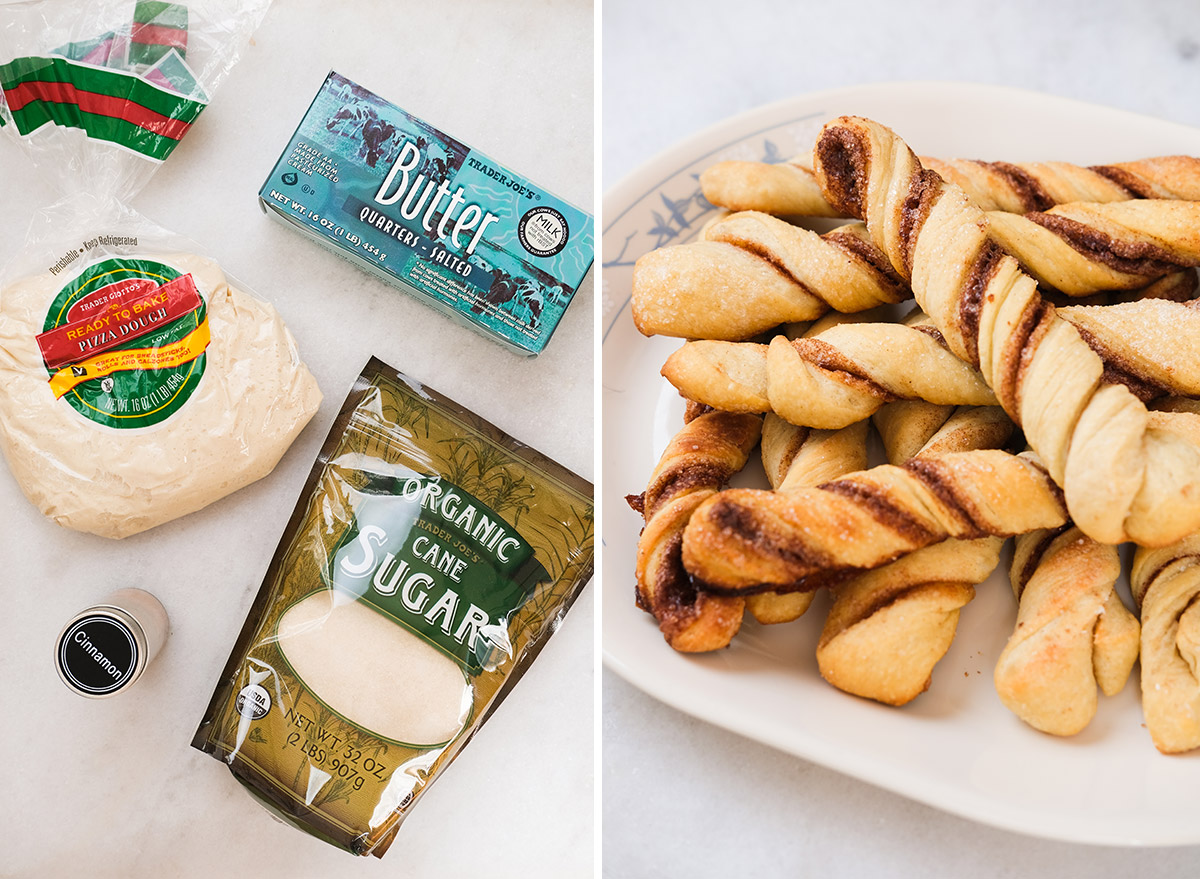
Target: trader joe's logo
{"points": [[124, 342]]}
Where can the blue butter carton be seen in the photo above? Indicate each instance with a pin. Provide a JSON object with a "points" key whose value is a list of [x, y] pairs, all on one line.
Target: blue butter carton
{"points": [[426, 212]]}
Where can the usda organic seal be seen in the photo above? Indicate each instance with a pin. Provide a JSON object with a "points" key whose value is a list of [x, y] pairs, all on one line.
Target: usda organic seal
{"points": [[253, 701]]}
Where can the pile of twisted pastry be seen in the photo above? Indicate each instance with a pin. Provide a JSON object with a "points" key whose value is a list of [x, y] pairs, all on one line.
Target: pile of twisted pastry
{"points": [[1099, 396]]}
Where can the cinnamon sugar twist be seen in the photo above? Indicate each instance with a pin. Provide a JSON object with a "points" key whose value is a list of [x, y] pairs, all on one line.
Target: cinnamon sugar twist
{"points": [[743, 541], [831, 378], [1166, 587], [791, 188], [1079, 249], [699, 459], [794, 458], [889, 627], [1127, 474], [1073, 633], [1148, 345], [752, 272], [842, 373]]}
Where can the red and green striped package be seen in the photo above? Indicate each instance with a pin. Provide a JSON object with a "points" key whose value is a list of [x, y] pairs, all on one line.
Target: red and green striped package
{"points": [[133, 75], [109, 105], [157, 29]]}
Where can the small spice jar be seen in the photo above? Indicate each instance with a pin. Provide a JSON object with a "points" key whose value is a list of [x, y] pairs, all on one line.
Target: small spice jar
{"points": [[104, 649]]}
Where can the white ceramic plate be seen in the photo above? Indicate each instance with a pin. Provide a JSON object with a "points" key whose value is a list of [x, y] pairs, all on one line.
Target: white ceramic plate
{"points": [[955, 747]]}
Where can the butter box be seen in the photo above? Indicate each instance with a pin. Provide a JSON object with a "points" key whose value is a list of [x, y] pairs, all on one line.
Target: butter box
{"points": [[432, 216]]}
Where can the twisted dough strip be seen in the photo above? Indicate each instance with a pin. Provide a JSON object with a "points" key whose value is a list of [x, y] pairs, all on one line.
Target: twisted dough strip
{"points": [[1177, 286], [791, 189], [910, 428], [750, 272], [1166, 587], [743, 541], [1127, 474], [907, 425], [753, 272], [889, 627], [1073, 632], [796, 457], [846, 373], [699, 459], [1081, 248], [1148, 345], [1080, 262], [838, 374]]}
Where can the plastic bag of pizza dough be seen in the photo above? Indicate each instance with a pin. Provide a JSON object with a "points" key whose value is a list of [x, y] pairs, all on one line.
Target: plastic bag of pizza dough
{"points": [[138, 382]]}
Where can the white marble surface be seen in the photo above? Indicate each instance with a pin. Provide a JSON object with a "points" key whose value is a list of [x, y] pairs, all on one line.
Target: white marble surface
{"points": [[111, 788], [685, 798]]}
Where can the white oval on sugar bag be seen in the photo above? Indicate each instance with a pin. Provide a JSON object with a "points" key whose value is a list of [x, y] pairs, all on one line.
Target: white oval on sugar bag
{"points": [[254, 398], [373, 672]]}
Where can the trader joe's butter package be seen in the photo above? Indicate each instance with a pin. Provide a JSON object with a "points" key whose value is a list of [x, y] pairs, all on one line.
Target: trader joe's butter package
{"points": [[426, 212], [428, 559]]}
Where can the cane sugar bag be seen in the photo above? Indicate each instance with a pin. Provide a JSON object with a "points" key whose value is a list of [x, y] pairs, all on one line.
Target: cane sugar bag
{"points": [[428, 559], [138, 382]]}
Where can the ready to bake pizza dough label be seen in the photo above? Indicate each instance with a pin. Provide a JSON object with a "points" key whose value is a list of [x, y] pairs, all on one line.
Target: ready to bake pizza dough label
{"points": [[124, 342]]}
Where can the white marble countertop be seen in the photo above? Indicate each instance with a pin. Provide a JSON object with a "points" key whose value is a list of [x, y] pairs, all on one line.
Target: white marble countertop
{"points": [[681, 797], [112, 788]]}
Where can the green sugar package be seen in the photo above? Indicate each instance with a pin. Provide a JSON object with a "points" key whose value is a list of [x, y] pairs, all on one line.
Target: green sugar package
{"points": [[423, 211], [428, 559]]}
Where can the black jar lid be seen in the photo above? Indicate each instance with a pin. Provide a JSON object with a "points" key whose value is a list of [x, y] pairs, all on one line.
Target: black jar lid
{"points": [[100, 652]]}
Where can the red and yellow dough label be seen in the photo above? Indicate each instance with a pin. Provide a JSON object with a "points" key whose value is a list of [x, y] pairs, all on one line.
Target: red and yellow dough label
{"points": [[175, 354], [118, 313]]}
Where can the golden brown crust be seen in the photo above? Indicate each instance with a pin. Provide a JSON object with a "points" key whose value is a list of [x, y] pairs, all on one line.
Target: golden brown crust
{"points": [[693, 410], [791, 189], [699, 459], [1123, 478], [1166, 586], [752, 272], [1072, 633], [743, 541]]}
